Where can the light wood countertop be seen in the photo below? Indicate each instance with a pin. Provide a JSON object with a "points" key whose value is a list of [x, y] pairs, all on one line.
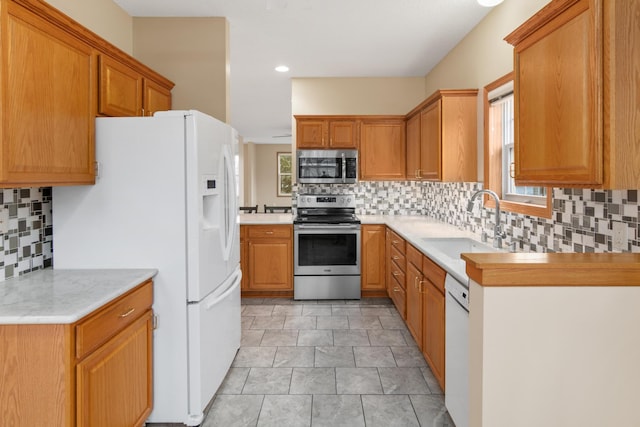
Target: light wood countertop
{"points": [[553, 269]]}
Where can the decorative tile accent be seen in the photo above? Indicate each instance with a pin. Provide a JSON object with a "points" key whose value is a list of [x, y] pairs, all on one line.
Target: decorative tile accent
{"points": [[582, 219], [25, 214]]}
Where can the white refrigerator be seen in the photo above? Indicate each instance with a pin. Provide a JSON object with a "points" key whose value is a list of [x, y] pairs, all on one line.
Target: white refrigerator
{"points": [[165, 198]]}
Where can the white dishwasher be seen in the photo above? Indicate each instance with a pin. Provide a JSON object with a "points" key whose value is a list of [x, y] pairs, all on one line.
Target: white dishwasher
{"points": [[457, 351]]}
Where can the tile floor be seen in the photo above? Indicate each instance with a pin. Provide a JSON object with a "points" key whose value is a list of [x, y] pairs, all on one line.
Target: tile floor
{"points": [[327, 363]]}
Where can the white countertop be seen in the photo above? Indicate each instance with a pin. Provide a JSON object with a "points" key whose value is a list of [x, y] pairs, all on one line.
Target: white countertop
{"points": [[266, 218], [413, 228], [416, 228], [64, 296]]}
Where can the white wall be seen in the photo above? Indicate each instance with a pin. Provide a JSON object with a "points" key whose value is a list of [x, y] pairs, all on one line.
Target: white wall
{"points": [[261, 168], [194, 54], [103, 17]]}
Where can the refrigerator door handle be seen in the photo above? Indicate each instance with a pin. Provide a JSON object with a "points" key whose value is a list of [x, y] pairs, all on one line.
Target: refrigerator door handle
{"points": [[229, 202], [234, 281]]}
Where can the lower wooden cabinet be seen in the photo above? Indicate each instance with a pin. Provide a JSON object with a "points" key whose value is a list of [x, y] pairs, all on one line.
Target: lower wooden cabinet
{"points": [[92, 373], [373, 265], [433, 302], [269, 257], [113, 382], [415, 281], [433, 339], [396, 272]]}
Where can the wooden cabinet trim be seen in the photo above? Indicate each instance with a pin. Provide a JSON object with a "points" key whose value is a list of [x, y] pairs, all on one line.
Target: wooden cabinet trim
{"points": [[439, 94]]}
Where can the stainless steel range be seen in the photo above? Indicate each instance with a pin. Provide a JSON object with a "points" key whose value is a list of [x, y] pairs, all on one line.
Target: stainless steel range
{"points": [[326, 248]]}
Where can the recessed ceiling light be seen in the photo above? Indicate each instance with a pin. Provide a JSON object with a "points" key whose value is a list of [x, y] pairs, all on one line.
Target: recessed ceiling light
{"points": [[282, 68], [489, 3]]}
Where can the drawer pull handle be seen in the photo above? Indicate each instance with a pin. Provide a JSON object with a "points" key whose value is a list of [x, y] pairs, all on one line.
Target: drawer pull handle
{"points": [[268, 232], [395, 242], [396, 289], [396, 257], [126, 313], [396, 273]]}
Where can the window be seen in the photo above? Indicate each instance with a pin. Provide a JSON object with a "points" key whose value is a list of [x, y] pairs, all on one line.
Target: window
{"points": [[499, 152], [284, 174]]}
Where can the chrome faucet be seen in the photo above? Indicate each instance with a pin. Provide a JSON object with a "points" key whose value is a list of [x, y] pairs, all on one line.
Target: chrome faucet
{"points": [[498, 234]]}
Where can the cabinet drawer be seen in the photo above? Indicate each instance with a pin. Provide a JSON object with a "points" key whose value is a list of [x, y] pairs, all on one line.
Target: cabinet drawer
{"points": [[114, 317], [397, 273], [399, 258], [399, 297], [414, 256], [434, 273], [397, 242], [257, 231]]}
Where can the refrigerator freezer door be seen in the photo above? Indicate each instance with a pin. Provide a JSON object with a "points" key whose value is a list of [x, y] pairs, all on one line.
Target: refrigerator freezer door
{"points": [[210, 199], [214, 339]]}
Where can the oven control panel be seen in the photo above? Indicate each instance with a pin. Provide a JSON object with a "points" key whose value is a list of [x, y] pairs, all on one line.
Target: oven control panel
{"points": [[326, 201]]}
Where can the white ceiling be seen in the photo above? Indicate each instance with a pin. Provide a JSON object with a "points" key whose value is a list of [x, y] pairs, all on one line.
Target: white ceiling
{"points": [[319, 38]]}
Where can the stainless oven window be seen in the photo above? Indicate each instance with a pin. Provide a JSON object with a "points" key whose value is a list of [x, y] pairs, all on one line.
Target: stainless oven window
{"points": [[327, 250]]}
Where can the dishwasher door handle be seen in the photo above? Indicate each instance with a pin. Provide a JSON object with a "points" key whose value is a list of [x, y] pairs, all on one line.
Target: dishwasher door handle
{"points": [[458, 302]]}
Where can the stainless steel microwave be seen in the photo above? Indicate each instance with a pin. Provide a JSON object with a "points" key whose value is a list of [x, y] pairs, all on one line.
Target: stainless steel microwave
{"points": [[327, 166]]}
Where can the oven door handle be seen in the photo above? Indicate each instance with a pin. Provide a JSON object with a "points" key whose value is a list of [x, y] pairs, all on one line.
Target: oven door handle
{"points": [[326, 227]]}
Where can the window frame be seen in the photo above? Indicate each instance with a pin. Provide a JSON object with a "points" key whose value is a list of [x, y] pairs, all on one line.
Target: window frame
{"points": [[280, 174], [493, 164]]}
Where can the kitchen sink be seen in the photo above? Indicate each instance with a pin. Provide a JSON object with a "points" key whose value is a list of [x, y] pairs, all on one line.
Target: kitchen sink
{"points": [[446, 252], [452, 247]]}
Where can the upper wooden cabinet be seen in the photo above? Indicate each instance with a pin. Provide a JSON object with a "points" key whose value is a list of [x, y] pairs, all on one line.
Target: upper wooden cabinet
{"points": [[442, 137], [50, 94], [576, 86], [120, 89], [382, 148], [326, 132], [126, 92], [48, 103]]}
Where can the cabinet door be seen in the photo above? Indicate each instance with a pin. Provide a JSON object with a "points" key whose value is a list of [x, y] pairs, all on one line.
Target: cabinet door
{"points": [[343, 134], [270, 264], [373, 257], [155, 98], [49, 105], [311, 133], [558, 104], [434, 333], [413, 148], [430, 142], [414, 302], [382, 150], [120, 89], [114, 383]]}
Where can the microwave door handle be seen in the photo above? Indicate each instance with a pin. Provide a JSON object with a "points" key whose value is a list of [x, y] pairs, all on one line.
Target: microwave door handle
{"points": [[344, 169]]}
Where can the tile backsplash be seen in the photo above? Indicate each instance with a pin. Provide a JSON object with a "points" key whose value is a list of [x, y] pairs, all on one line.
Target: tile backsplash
{"points": [[25, 230], [582, 220]]}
